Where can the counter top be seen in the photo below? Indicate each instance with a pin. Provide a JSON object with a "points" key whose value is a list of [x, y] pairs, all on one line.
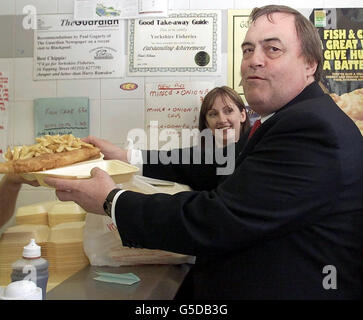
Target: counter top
{"points": [[158, 282]]}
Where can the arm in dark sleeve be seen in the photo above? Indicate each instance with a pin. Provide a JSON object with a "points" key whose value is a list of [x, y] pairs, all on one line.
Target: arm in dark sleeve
{"points": [[276, 189], [186, 166]]}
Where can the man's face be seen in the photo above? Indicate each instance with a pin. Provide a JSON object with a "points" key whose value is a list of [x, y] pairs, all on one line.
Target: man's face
{"points": [[273, 68]]}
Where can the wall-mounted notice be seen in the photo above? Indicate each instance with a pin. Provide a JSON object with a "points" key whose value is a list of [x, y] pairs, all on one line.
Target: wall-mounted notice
{"points": [[186, 42], [120, 9], [341, 33], [4, 108], [237, 29], [68, 49], [171, 107], [61, 116]]}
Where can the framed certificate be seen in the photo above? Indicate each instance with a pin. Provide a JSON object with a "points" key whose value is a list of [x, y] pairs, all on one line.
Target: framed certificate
{"points": [[186, 43]]}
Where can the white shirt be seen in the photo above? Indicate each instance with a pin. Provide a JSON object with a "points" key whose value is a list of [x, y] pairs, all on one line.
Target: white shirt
{"points": [[263, 119], [136, 160]]}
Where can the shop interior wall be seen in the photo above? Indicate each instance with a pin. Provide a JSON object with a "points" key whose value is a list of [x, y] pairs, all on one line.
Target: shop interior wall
{"points": [[113, 112]]}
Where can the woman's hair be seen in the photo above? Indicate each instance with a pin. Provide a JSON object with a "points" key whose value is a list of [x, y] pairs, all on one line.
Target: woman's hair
{"points": [[311, 47], [223, 92]]}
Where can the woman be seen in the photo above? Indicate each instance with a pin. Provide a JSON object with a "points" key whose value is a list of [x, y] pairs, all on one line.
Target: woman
{"points": [[223, 109]]}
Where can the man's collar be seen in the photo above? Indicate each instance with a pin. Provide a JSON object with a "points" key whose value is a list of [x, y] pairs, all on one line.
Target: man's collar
{"points": [[263, 119], [313, 90]]}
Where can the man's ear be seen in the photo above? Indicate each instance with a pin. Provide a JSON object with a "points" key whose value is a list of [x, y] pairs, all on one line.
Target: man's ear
{"points": [[311, 68]]}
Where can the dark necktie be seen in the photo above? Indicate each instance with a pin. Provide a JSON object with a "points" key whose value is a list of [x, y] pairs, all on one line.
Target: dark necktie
{"points": [[254, 128]]}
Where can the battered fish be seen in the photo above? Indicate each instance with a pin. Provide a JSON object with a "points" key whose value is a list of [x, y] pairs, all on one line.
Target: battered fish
{"points": [[49, 161]]}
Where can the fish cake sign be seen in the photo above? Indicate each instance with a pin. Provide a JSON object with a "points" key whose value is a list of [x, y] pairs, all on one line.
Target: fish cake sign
{"points": [[61, 116]]}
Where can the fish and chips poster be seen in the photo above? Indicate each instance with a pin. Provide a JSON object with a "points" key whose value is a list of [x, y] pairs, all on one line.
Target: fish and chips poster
{"points": [[341, 33]]}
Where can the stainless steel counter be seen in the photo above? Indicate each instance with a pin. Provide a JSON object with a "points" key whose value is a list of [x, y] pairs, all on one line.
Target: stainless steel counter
{"points": [[158, 282]]}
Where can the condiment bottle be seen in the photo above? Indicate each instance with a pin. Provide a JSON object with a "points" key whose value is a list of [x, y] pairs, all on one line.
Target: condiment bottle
{"points": [[32, 267]]}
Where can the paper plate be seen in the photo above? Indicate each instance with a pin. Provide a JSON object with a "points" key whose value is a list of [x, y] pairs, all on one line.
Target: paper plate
{"points": [[118, 170]]}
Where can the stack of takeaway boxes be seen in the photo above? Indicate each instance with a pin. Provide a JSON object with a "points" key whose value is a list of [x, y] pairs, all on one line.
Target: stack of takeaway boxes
{"points": [[57, 227]]}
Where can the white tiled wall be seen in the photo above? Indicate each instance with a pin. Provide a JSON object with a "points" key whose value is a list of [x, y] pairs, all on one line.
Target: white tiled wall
{"points": [[113, 111], [82, 87], [42, 6], [119, 116], [23, 124], [27, 89], [65, 6], [7, 7]]}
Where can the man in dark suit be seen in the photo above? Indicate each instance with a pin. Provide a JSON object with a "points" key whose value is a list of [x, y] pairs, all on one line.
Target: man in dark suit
{"points": [[287, 224]]}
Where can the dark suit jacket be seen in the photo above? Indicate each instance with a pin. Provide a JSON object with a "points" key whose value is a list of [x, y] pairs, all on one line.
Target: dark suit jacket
{"points": [[199, 169], [293, 205]]}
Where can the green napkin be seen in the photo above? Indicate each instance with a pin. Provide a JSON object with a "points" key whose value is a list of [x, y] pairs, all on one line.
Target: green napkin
{"points": [[121, 278]]}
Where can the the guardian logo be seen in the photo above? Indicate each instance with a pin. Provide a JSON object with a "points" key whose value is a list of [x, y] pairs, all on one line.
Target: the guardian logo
{"points": [[66, 22]]}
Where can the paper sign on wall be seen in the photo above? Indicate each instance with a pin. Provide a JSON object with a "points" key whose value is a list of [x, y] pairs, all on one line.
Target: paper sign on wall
{"points": [[341, 34], [186, 42], [173, 106], [119, 9], [61, 116], [4, 106], [69, 49]]}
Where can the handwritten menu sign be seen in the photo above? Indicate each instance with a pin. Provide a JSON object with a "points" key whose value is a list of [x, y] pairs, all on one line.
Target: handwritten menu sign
{"points": [[4, 106], [61, 116], [174, 106]]}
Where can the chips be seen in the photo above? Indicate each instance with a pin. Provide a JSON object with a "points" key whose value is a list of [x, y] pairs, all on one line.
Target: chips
{"points": [[46, 144]]}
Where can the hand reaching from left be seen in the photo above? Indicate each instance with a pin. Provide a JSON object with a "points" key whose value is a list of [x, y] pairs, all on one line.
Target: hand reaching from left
{"points": [[90, 194], [17, 179], [10, 185]]}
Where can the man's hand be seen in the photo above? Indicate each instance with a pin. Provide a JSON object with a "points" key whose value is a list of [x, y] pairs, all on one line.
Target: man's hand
{"points": [[109, 150], [90, 194]]}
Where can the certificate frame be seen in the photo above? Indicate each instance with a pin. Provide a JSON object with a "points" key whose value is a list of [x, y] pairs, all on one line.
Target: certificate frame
{"points": [[212, 68]]}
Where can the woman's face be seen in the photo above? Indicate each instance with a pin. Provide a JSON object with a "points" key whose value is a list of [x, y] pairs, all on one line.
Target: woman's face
{"points": [[225, 115]]}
